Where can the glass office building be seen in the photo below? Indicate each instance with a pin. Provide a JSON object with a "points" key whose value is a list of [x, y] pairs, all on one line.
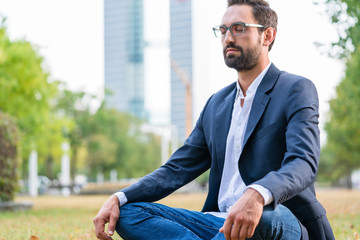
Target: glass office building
{"points": [[124, 56], [181, 54]]}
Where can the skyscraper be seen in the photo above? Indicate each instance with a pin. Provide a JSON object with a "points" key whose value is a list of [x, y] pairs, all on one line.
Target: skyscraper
{"points": [[181, 54], [124, 55]]}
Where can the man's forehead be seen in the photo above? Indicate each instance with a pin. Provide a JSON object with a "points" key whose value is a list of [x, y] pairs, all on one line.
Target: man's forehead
{"points": [[238, 13]]}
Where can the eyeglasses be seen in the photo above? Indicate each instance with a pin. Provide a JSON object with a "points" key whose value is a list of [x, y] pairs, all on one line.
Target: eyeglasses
{"points": [[235, 29]]}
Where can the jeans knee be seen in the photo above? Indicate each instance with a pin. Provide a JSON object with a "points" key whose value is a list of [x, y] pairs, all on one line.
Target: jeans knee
{"points": [[130, 208], [279, 223], [130, 216]]}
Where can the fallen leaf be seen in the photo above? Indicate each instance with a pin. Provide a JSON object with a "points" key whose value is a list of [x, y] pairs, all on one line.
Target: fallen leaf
{"points": [[34, 238]]}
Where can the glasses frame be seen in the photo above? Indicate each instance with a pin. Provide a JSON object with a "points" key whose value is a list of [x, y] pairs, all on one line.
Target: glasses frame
{"points": [[217, 28]]}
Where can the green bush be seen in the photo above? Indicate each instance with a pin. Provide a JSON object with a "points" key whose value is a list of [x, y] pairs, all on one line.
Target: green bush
{"points": [[8, 157]]}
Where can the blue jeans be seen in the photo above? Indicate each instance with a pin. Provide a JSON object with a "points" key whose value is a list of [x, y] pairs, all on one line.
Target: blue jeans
{"points": [[155, 221]]}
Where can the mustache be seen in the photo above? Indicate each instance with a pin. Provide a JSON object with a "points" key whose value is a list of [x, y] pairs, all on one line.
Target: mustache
{"points": [[231, 45]]}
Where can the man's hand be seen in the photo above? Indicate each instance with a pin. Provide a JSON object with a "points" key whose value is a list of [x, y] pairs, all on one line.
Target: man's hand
{"points": [[244, 216], [108, 213]]}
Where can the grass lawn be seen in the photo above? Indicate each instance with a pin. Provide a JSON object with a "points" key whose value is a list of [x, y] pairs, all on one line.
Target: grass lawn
{"points": [[71, 218], [343, 211]]}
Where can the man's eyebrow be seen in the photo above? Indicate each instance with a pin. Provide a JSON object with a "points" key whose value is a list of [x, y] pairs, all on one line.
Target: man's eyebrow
{"points": [[239, 21]]}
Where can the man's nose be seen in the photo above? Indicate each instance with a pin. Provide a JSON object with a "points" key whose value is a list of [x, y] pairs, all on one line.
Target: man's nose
{"points": [[228, 37]]}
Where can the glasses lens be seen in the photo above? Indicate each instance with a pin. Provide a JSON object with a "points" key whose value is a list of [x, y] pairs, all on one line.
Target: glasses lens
{"points": [[217, 32], [238, 29]]}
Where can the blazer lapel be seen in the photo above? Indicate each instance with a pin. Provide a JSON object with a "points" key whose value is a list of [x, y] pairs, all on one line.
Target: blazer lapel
{"points": [[223, 120], [261, 100]]}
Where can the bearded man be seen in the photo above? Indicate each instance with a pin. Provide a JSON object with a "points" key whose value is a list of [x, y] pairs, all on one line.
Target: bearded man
{"points": [[260, 138]]}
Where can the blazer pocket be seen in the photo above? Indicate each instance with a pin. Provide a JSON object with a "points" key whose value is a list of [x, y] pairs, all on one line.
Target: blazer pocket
{"points": [[265, 131]]}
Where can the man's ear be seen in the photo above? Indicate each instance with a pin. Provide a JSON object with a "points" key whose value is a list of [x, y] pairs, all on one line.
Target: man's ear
{"points": [[269, 36]]}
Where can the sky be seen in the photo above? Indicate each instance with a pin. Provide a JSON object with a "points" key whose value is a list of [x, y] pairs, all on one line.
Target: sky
{"points": [[69, 34]]}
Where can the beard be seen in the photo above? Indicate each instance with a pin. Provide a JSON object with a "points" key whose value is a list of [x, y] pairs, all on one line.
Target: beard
{"points": [[247, 60]]}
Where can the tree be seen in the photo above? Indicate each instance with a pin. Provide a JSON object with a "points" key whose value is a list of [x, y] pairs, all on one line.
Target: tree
{"points": [[343, 128], [47, 114], [101, 154], [25, 90], [75, 106], [344, 14], [341, 154], [115, 142], [49, 145]]}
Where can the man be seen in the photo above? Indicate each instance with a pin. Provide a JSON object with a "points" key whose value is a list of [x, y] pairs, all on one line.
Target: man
{"points": [[260, 138]]}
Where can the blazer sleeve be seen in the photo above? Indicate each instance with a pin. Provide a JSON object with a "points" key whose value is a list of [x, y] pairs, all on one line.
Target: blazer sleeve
{"points": [[301, 158], [186, 164]]}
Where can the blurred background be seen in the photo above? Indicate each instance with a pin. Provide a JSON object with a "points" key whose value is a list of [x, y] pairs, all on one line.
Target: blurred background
{"points": [[94, 94]]}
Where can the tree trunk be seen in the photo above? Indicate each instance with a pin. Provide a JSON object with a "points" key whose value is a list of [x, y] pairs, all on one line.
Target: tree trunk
{"points": [[348, 181], [50, 167], [73, 163]]}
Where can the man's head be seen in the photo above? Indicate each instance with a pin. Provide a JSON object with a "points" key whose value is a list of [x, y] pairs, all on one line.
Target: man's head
{"points": [[246, 41], [262, 13]]}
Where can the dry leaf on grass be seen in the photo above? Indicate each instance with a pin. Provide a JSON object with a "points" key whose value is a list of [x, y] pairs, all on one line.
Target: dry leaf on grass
{"points": [[34, 238]]}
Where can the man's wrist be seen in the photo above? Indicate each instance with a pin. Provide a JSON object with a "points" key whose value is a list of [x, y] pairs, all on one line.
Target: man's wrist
{"points": [[121, 197], [264, 192], [257, 196]]}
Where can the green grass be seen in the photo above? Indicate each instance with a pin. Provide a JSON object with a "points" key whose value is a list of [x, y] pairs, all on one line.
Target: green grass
{"points": [[70, 218], [47, 224], [343, 211], [52, 218]]}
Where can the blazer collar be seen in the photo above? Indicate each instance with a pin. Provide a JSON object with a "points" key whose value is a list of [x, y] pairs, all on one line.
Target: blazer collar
{"points": [[269, 79], [223, 120], [261, 100]]}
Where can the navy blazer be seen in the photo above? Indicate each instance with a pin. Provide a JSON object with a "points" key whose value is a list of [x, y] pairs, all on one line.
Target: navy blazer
{"points": [[280, 152]]}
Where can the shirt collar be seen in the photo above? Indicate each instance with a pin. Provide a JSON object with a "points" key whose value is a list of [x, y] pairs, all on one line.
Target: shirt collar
{"points": [[254, 85]]}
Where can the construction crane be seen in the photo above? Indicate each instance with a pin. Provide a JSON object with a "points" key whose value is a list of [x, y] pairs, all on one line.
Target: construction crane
{"points": [[188, 97]]}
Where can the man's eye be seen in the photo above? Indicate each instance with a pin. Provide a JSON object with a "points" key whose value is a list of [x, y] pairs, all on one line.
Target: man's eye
{"points": [[222, 30], [238, 28]]}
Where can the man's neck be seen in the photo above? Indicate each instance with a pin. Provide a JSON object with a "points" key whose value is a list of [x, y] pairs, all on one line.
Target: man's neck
{"points": [[246, 78]]}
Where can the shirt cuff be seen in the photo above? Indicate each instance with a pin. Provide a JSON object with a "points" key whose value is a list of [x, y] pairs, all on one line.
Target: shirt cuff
{"points": [[122, 198], [264, 192]]}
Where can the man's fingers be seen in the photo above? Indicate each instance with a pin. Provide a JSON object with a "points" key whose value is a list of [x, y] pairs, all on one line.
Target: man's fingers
{"points": [[99, 229], [243, 232], [235, 231], [108, 213], [112, 223], [226, 229], [99, 226], [103, 236], [250, 231]]}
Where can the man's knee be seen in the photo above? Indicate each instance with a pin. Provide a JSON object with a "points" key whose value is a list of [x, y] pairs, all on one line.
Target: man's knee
{"points": [[131, 214], [279, 223], [130, 209]]}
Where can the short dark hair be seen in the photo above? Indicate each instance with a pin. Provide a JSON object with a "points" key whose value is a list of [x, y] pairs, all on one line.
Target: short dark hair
{"points": [[262, 12]]}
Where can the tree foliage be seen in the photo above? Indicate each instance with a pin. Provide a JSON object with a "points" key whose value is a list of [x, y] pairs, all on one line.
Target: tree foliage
{"points": [[115, 142], [106, 139], [75, 106], [344, 14], [25, 90], [47, 114], [342, 151], [341, 154]]}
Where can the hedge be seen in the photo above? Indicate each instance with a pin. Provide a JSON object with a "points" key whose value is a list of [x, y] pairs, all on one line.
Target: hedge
{"points": [[9, 138]]}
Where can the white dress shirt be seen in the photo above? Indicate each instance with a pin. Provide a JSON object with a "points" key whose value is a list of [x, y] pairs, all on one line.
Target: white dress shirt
{"points": [[232, 185]]}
